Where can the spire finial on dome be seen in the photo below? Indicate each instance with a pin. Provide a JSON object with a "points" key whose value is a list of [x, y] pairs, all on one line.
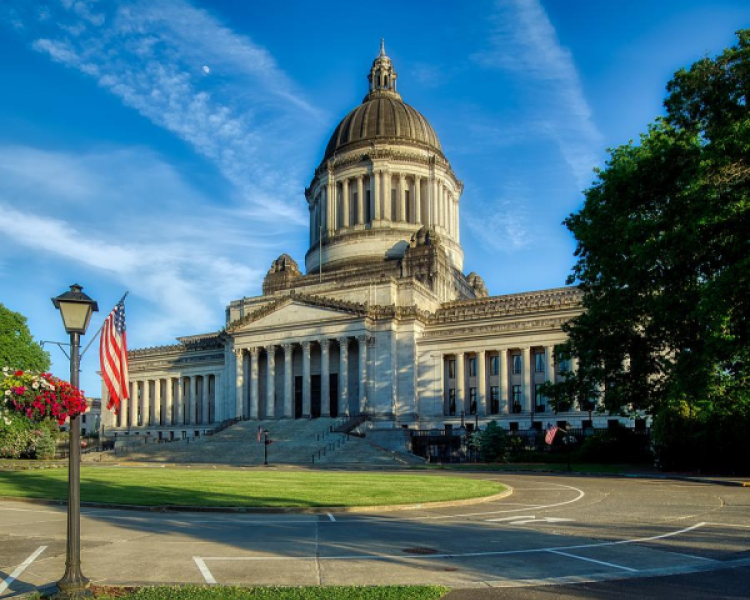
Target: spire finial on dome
{"points": [[382, 75], [382, 46]]}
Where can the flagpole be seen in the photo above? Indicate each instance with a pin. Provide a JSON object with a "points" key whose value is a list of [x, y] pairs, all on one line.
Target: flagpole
{"points": [[98, 331]]}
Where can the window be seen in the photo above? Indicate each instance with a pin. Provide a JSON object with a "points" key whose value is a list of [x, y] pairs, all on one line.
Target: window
{"points": [[494, 400], [452, 402], [517, 364], [472, 401], [494, 365], [563, 366], [517, 395], [539, 397], [451, 369], [472, 367], [539, 362]]}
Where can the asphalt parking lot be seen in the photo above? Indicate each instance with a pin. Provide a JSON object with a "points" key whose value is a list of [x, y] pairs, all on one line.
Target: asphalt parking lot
{"points": [[552, 531]]}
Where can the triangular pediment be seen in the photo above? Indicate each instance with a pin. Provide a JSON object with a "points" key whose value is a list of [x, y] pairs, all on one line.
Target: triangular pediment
{"points": [[298, 310]]}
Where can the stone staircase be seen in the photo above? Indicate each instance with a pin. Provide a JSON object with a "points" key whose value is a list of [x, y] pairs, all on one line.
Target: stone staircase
{"points": [[356, 451]]}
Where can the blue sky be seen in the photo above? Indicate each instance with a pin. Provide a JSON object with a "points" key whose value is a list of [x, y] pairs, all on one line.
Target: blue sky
{"points": [[163, 146]]}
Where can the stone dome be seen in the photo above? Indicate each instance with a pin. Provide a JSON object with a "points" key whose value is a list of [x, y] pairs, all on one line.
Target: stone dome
{"points": [[383, 116]]}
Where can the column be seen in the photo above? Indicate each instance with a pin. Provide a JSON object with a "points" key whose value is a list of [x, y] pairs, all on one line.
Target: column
{"points": [[180, 418], [460, 384], [503, 372], [343, 376], [192, 400], [528, 376], [387, 204], [325, 380], [157, 402], [402, 198], [323, 210], [344, 203], [306, 403], [331, 205], [239, 382], [254, 393], [360, 200], [271, 383], [134, 400], [375, 196], [433, 203], [439, 204], [482, 408], [288, 381], [418, 199], [218, 413], [205, 401], [549, 359], [146, 404], [362, 341], [122, 413], [168, 419]]}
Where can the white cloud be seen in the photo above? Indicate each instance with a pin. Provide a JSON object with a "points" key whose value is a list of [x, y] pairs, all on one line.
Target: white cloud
{"points": [[524, 41], [503, 225], [150, 54]]}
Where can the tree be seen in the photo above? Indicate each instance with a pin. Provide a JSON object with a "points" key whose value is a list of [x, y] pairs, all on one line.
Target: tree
{"points": [[663, 252], [17, 348]]}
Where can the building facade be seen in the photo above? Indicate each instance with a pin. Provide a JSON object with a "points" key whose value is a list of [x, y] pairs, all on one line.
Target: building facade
{"points": [[383, 322]]}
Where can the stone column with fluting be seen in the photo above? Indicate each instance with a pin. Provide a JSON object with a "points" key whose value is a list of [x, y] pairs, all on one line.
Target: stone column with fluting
{"points": [[288, 381], [362, 341], [192, 384], [503, 372], [387, 202], [134, 400], [157, 402], [271, 383], [360, 200], [122, 417], [255, 403], [239, 385], [482, 408], [418, 200], [325, 380], [169, 417], [343, 399], [205, 401], [306, 396], [460, 384], [528, 377], [375, 214], [180, 417], [549, 356], [403, 214], [344, 204]]}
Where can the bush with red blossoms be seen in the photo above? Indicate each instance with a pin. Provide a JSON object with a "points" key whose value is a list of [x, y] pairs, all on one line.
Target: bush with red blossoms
{"points": [[40, 396]]}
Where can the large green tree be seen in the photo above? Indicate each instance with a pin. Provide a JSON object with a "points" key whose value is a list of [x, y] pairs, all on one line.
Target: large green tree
{"points": [[17, 348], [663, 252]]}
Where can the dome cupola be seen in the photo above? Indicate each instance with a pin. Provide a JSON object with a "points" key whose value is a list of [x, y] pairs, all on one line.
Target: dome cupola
{"points": [[382, 76]]}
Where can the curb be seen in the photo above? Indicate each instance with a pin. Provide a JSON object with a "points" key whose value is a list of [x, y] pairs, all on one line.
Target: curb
{"points": [[270, 510]]}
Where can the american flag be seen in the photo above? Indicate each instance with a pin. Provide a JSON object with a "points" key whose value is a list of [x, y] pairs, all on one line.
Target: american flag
{"points": [[113, 356], [551, 432]]}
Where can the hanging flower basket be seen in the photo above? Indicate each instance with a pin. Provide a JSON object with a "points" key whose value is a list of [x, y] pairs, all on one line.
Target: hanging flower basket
{"points": [[40, 396]]}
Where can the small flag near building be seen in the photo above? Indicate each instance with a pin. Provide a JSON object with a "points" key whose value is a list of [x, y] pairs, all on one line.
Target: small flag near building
{"points": [[551, 432], [113, 356]]}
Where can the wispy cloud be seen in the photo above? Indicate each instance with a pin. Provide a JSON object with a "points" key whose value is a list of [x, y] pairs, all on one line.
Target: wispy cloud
{"points": [[140, 240], [242, 112], [523, 41], [503, 223]]}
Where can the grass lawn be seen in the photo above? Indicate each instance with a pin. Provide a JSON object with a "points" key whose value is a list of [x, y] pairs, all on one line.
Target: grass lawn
{"points": [[402, 592], [188, 487]]}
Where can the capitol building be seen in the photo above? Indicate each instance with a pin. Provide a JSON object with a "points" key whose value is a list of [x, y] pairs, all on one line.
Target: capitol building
{"points": [[382, 321]]}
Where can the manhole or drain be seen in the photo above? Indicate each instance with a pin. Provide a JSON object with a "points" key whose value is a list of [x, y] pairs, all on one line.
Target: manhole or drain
{"points": [[420, 550]]}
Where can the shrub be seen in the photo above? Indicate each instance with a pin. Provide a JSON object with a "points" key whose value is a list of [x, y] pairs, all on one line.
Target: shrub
{"points": [[493, 444]]}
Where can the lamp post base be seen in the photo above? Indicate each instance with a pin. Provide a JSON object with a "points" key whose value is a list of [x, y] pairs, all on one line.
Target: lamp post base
{"points": [[73, 586]]}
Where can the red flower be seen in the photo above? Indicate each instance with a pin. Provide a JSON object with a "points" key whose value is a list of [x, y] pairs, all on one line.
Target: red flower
{"points": [[19, 374]]}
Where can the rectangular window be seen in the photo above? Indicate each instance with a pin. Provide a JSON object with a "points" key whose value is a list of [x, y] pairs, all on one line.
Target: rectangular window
{"points": [[517, 363], [494, 399], [517, 397], [472, 401], [539, 362], [451, 369], [451, 402], [541, 401], [563, 366], [472, 367], [494, 365]]}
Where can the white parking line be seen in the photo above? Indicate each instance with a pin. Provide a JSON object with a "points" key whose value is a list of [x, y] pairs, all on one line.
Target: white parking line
{"points": [[20, 569], [204, 570], [598, 562]]}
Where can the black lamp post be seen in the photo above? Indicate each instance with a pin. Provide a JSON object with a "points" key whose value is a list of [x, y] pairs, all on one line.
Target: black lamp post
{"points": [[75, 308]]}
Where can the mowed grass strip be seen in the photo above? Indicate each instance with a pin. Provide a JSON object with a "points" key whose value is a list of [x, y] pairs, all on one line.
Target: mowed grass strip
{"points": [[188, 487], [400, 592]]}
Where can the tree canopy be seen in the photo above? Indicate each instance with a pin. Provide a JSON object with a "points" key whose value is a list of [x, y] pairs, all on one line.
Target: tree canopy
{"points": [[663, 252], [18, 349]]}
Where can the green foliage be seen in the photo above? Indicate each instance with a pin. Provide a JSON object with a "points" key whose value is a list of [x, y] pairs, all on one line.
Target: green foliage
{"points": [[493, 443], [193, 592], [704, 436], [22, 438], [619, 445], [17, 348], [664, 254]]}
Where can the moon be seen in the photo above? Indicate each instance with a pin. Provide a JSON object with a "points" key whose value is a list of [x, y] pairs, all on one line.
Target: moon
{"points": [[206, 70]]}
